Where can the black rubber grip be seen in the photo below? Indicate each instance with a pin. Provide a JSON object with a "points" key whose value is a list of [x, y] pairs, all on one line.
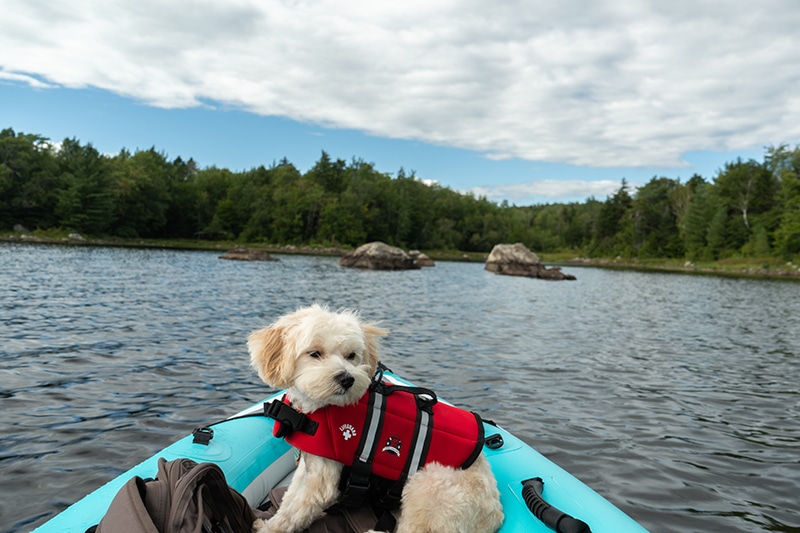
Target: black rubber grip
{"points": [[553, 518]]}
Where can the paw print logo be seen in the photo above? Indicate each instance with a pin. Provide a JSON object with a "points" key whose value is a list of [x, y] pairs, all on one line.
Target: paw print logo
{"points": [[348, 431]]}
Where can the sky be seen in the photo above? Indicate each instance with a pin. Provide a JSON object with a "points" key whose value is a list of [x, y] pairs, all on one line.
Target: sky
{"points": [[523, 101]]}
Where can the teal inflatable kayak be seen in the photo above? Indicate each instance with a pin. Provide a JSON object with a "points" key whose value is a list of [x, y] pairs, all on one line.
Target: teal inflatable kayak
{"points": [[537, 495]]}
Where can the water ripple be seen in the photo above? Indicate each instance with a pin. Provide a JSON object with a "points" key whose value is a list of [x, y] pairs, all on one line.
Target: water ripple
{"points": [[674, 396]]}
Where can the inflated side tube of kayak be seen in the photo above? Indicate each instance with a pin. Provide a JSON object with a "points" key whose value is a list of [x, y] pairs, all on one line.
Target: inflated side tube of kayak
{"points": [[552, 517]]}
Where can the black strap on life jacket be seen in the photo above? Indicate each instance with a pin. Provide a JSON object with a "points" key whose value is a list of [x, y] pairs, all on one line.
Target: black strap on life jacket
{"points": [[358, 485], [289, 418]]}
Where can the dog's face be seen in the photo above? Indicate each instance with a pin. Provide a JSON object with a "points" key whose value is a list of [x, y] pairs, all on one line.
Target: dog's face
{"points": [[325, 358]]}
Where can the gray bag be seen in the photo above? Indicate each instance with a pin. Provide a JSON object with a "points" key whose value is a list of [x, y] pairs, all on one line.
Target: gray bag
{"points": [[185, 497]]}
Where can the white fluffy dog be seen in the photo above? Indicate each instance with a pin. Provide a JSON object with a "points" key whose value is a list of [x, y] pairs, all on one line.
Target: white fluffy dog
{"points": [[326, 358]]}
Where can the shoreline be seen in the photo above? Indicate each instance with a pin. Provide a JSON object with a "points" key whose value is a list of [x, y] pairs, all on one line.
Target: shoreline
{"points": [[791, 272], [718, 269]]}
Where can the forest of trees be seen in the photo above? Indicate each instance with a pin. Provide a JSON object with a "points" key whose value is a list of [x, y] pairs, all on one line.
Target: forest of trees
{"points": [[749, 209]]}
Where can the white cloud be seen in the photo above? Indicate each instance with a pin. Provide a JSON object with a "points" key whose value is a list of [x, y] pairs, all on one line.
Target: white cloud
{"points": [[610, 83], [23, 78]]}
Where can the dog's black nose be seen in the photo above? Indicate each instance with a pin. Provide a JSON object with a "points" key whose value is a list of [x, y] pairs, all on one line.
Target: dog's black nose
{"points": [[345, 380]]}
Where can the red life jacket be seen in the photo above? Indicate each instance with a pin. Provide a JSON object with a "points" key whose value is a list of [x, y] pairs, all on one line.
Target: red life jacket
{"points": [[392, 430]]}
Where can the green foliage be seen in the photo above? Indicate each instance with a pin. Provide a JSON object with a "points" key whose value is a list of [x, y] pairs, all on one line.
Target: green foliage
{"points": [[696, 221], [86, 201], [716, 234], [655, 224], [141, 191], [28, 180], [758, 245], [784, 164], [750, 209], [609, 238]]}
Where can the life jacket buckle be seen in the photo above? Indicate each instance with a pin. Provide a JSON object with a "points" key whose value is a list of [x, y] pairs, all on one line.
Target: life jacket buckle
{"points": [[289, 419], [355, 484]]}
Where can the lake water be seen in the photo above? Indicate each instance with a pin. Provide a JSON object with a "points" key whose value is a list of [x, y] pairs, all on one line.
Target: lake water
{"points": [[674, 396]]}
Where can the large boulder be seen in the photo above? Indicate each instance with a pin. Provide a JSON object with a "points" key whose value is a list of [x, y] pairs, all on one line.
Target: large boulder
{"points": [[517, 260], [378, 256]]}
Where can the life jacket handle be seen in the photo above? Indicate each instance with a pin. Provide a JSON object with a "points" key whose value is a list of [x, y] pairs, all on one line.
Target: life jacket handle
{"points": [[426, 398]]}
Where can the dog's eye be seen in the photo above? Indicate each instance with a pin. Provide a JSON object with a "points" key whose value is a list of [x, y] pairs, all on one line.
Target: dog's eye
{"points": [[351, 356], [315, 354]]}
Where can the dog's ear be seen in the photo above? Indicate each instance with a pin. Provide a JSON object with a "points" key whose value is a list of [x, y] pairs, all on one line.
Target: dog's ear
{"points": [[372, 335], [268, 357]]}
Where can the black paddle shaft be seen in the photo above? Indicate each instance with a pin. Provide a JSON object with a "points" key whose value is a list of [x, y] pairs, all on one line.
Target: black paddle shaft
{"points": [[559, 521]]}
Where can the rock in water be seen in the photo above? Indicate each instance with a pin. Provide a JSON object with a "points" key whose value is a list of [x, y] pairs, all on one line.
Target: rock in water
{"points": [[246, 254], [421, 259], [378, 256], [517, 260]]}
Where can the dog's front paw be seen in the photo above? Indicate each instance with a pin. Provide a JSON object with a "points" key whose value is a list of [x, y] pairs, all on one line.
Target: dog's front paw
{"points": [[261, 526]]}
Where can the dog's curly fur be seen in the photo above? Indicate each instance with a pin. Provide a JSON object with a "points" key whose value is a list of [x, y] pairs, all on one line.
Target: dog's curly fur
{"points": [[329, 358]]}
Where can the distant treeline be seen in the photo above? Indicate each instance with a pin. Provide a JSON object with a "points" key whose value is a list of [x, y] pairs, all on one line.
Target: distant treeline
{"points": [[749, 209]]}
